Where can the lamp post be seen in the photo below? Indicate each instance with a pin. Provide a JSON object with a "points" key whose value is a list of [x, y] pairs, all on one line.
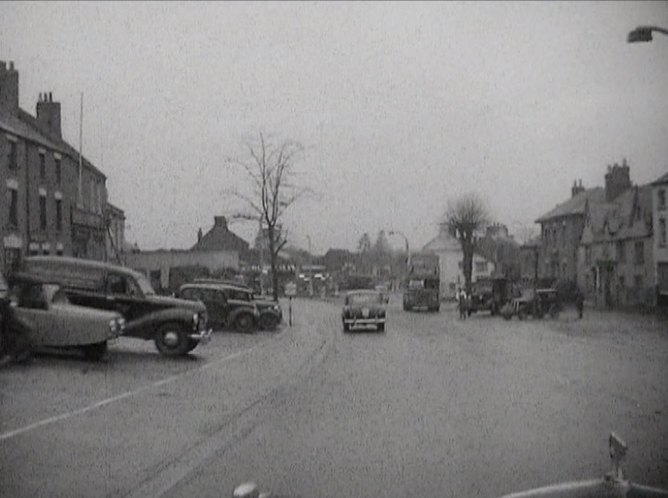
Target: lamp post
{"points": [[310, 270], [644, 33]]}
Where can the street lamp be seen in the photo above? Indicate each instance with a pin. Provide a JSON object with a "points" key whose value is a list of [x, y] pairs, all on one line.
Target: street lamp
{"points": [[644, 33], [310, 271]]}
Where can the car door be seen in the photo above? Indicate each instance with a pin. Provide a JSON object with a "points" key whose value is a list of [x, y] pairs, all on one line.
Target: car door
{"points": [[123, 295], [33, 309], [217, 303]]}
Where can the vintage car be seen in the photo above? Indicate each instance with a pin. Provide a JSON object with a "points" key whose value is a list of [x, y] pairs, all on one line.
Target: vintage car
{"points": [[363, 308], [271, 314], [488, 294], [536, 304], [614, 484], [176, 326], [226, 306], [56, 323]]}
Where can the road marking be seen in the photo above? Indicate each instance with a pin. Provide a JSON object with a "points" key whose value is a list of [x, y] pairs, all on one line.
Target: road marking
{"points": [[118, 397]]}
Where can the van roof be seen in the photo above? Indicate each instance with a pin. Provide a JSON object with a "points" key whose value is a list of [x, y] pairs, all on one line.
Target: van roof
{"points": [[80, 263]]}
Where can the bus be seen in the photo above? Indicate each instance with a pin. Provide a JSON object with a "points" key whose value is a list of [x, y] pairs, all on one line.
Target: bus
{"points": [[422, 286]]}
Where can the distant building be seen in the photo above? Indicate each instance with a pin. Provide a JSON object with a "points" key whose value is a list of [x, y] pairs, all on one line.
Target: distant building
{"points": [[53, 206], [616, 257], [659, 221], [451, 257], [221, 238]]}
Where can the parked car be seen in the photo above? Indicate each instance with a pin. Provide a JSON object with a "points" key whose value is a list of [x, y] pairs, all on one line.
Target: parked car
{"points": [[54, 322], [176, 326], [271, 314], [537, 304], [488, 294], [363, 308], [227, 306]]}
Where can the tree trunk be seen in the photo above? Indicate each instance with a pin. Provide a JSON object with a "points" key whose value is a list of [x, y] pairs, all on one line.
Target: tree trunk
{"points": [[273, 254], [467, 248]]}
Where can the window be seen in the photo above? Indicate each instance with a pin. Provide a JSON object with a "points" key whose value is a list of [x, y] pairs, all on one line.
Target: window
{"points": [[58, 171], [42, 166], [13, 208], [92, 196], [621, 251], [662, 232], [59, 215], [637, 281], [122, 285], [639, 250], [480, 266], [42, 212], [12, 257], [588, 255], [662, 199], [13, 155], [622, 282]]}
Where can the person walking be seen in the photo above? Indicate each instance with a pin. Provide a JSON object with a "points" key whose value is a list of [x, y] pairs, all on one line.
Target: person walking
{"points": [[579, 302], [462, 300]]}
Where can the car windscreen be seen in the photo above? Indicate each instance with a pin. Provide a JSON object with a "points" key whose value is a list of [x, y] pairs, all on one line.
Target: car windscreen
{"points": [[145, 285], [416, 284], [362, 299]]}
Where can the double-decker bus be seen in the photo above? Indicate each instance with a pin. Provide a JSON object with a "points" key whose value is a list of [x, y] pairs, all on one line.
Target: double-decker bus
{"points": [[422, 286]]}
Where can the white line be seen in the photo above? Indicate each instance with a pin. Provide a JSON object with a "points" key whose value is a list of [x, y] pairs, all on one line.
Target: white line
{"points": [[128, 394]]}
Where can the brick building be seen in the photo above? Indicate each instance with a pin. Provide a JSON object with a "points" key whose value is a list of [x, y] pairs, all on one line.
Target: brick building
{"points": [[52, 202], [660, 221]]}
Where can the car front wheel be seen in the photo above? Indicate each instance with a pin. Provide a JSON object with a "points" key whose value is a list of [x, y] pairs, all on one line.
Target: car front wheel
{"points": [[172, 340]]}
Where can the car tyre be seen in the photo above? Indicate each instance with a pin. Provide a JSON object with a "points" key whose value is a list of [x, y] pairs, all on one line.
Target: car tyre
{"points": [[521, 314], [268, 321], [172, 340], [95, 352], [381, 327], [243, 323], [346, 327]]}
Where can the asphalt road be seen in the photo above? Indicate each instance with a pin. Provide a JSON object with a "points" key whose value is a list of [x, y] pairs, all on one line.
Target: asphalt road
{"points": [[433, 406]]}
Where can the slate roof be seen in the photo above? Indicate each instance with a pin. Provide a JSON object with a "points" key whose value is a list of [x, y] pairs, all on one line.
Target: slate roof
{"points": [[12, 124], [617, 220], [220, 238], [661, 180], [575, 205]]}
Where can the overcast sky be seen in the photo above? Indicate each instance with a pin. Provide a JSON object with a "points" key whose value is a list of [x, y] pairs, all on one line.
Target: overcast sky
{"points": [[401, 106]]}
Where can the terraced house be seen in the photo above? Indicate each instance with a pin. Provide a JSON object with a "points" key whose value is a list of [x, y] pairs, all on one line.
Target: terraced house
{"points": [[53, 201]]}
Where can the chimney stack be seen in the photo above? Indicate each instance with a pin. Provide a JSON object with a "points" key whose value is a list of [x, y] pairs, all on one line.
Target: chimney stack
{"points": [[220, 221], [199, 234], [577, 188], [48, 114], [9, 88], [617, 180]]}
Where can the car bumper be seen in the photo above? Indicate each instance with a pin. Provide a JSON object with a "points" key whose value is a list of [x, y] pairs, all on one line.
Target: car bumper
{"points": [[202, 337], [360, 322]]}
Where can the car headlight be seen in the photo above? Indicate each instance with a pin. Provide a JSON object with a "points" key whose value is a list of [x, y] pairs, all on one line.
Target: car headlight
{"points": [[121, 325], [276, 307], [113, 326]]}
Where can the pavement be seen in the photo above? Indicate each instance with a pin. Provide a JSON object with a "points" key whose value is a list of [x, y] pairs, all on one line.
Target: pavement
{"points": [[434, 406]]}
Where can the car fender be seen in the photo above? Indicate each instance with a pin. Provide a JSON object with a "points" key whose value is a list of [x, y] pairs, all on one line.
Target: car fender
{"points": [[146, 326]]}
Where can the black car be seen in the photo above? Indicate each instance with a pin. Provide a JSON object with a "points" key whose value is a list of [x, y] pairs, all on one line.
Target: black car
{"points": [[226, 306], [175, 325], [271, 314]]}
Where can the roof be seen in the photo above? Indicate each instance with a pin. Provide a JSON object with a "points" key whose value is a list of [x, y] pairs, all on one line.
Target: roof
{"points": [[575, 205], [12, 124], [220, 238], [661, 180], [618, 219]]}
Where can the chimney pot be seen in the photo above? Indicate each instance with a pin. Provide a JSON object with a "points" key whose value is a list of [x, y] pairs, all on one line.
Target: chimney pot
{"points": [[11, 65], [50, 97]]}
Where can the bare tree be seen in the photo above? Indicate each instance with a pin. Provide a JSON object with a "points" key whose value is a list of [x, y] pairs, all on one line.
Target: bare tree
{"points": [[465, 219], [270, 168]]}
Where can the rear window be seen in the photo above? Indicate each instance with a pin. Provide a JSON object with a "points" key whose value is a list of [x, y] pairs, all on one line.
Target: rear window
{"points": [[362, 299], [239, 295]]}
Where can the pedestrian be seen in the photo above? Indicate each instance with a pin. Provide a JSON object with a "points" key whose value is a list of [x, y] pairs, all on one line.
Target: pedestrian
{"points": [[462, 301], [579, 302]]}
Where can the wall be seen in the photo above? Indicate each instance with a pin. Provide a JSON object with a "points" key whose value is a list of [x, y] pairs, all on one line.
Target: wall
{"points": [[162, 261], [560, 239], [659, 212]]}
